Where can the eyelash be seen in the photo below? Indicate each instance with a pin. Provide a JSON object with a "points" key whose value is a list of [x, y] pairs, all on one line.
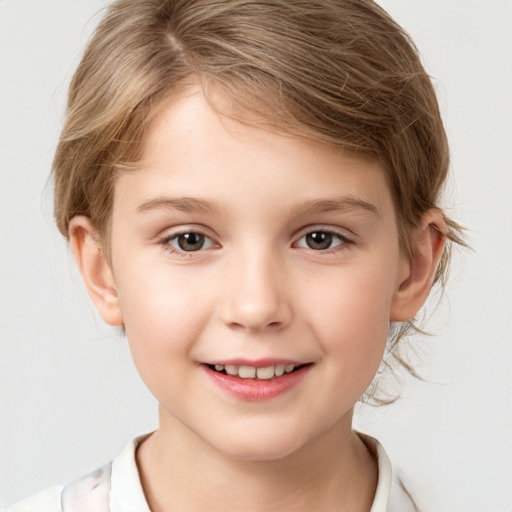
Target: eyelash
{"points": [[343, 241], [166, 242]]}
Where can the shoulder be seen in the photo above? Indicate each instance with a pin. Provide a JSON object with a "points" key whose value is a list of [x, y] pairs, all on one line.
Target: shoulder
{"points": [[115, 486], [46, 501], [89, 492]]}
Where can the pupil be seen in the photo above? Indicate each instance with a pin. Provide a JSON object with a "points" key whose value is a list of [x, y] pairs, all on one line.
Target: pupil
{"points": [[319, 240], [191, 241]]}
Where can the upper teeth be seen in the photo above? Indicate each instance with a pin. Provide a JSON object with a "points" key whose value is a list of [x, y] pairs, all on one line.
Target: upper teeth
{"points": [[251, 372]]}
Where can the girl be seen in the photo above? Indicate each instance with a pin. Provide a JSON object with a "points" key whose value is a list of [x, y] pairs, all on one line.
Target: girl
{"points": [[251, 192]]}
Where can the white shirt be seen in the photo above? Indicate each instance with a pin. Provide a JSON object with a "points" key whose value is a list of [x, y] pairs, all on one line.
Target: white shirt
{"points": [[116, 488]]}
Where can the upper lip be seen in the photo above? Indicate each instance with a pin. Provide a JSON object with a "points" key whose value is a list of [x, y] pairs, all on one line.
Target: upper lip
{"points": [[255, 363]]}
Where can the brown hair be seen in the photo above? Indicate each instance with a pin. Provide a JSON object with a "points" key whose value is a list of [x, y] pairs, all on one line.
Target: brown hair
{"points": [[338, 71]]}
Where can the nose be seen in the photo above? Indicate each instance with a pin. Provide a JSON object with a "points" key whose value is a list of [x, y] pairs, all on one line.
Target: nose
{"points": [[256, 294]]}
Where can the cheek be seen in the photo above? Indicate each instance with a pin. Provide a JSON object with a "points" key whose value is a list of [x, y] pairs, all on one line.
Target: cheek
{"points": [[350, 318], [163, 317]]}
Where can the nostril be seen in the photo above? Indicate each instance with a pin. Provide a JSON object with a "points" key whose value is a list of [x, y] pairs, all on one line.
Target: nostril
{"points": [[271, 326]]}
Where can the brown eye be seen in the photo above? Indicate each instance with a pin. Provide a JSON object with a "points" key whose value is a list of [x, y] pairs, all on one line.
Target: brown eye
{"points": [[187, 242], [319, 240], [190, 241], [322, 240]]}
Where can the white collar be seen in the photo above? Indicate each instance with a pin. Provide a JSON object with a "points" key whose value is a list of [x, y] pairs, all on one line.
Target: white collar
{"points": [[380, 500], [126, 494]]}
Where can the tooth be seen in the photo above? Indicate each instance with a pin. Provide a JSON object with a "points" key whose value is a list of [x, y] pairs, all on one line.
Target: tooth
{"points": [[289, 368], [219, 367], [247, 372], [231, 369], [279, 370], [265, 373]]}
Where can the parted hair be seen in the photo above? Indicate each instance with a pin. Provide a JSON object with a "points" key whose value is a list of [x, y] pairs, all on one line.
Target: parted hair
{"points": [[341, 72]]}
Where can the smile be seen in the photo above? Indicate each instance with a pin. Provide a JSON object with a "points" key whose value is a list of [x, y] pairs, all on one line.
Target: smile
{"points": [[252, 383], [253, 372]]}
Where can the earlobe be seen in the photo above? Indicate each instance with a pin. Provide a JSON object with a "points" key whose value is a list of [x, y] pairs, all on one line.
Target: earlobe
{"points": [[95, 269], [420, 269]]}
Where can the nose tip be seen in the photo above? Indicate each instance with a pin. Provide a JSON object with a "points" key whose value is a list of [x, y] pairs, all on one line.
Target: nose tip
{"points": [[256, 319], [257, 301]]}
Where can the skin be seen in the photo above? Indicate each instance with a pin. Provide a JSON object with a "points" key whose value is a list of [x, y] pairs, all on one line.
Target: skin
{"points": [[256, 289]]}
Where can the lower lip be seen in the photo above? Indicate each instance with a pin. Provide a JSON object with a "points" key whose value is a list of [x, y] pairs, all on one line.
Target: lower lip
{"points": [[256, 390]]}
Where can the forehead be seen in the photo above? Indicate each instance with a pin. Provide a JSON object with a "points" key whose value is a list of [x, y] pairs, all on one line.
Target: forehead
{"points": [[192, 150]]}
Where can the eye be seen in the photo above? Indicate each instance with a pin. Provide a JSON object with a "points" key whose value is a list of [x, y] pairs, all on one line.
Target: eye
{"points": [[189, 242], [321, 240]]}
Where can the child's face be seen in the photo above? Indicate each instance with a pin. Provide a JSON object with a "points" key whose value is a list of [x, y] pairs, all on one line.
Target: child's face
{"points": [[236, 246]]}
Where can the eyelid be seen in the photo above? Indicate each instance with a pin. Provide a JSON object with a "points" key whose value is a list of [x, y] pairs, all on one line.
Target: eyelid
{"points": [[173, 231]]}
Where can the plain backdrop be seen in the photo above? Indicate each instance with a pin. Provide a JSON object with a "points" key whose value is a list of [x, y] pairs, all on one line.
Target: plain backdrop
{"points": [[69, 396]]}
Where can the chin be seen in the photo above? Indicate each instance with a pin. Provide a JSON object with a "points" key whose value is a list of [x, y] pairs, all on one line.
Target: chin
{"points": [[260, 445]]}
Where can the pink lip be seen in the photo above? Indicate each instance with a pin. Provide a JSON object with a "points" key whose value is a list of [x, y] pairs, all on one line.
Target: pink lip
{"points": [[256, 363], [256, 390]]}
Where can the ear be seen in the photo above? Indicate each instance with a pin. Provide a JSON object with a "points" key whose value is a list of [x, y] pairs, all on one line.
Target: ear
{"points": [[95, 269], [417, 275]]}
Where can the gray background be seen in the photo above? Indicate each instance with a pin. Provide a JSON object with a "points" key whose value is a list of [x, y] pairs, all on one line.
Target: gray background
{"points": [[69, 395]]}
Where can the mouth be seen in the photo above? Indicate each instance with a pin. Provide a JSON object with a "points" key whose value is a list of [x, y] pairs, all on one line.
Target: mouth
{"points": [[258, 373], [258, 383]]}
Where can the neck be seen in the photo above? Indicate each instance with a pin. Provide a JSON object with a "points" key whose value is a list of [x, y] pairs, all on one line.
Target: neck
{"points": [[180, 471]]}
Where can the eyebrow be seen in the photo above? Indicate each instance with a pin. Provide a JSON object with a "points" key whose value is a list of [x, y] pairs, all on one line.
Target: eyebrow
{"points": [[191, 204], [184, 204], [336, 204]]}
